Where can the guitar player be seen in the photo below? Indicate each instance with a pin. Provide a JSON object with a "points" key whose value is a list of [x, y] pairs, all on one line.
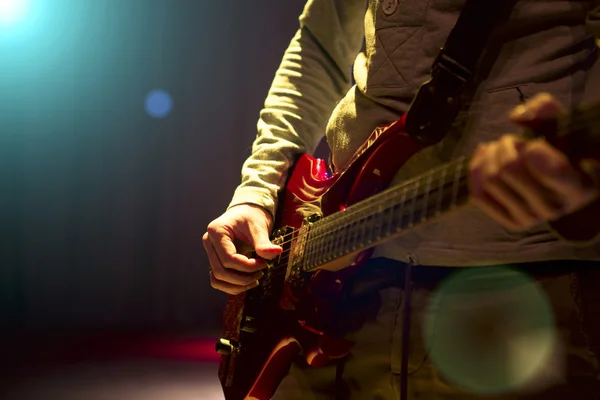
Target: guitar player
{"points": [[502, 292]]}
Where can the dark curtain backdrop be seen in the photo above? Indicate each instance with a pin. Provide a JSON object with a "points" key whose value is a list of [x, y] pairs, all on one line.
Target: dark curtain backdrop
{"points": [[102, 207]]}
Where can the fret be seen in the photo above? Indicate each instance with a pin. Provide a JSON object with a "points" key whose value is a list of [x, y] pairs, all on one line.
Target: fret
{"points": [[342, 238], [383, 214], [368, 227], [307, 253], [401, 207], [346, 236], [333, 240], [362, 228], [441, 185], [349, 235], [413, 205], [337, 239], [371, 223], [299, 249], [379, 220], [308, 248], [425, 211], [457, 176], [354, 230], [388, 214], [349, 226], [315, 247], [323, 240], [313, 243], [327, 244], [375, 225]]}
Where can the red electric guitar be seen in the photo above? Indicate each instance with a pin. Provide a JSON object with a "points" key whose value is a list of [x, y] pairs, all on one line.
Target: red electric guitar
{"points": [[290, 312]]}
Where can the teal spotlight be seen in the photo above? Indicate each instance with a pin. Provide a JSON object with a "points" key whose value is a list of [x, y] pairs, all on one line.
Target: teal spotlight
{"points": [[12, 11]]}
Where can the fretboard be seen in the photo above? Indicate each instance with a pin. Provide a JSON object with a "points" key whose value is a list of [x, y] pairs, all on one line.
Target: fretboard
{"points": [[386, 214]]}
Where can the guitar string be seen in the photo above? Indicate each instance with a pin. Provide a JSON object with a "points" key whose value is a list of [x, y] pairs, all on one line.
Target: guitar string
{"points": [[395, 192], [283, 260], [286, 254], [583, 121], [377, 199], [278, 270], [424, 205], [560, 131], [284, 257], [459, 166]]}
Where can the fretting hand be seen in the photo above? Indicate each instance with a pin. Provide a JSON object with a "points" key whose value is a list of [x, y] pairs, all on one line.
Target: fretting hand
{"points": [[520, 183]]}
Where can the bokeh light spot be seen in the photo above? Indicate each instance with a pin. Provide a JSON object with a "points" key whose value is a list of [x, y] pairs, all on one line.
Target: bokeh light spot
{"points": [[492, 331], [159, 103]]}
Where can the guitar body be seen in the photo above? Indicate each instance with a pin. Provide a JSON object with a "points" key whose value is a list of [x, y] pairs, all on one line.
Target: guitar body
{"points": [[267, 328]]}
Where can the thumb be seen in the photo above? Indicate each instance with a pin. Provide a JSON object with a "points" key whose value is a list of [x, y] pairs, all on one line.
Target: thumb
{"points": [[259, 237], [538, 110]]}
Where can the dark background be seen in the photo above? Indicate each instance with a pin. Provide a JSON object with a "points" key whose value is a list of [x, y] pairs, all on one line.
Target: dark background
{"points": [[102, 207]]}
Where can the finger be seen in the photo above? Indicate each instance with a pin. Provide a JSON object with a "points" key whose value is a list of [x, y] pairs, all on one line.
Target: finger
{"points": [[228, 287], [222, 274], [516, 206], [554, 171], [543, 203], [222, 241], [259, 238], [489, 186], [495, 210], [542, 106], [478, 194]]}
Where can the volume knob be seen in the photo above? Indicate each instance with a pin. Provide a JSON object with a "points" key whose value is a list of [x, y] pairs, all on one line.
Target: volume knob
{"points": [[249, 324], [226, 346]]}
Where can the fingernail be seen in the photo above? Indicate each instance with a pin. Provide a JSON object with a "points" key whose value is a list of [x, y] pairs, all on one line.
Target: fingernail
{"points": [[521, 113]]}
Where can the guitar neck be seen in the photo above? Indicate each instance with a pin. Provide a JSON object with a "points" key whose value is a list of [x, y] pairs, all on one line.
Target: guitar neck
{"points": [[386, 214], [395, 210]]}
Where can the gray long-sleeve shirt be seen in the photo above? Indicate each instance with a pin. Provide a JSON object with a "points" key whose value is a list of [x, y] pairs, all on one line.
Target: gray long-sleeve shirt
{"points": [[388, 47]]}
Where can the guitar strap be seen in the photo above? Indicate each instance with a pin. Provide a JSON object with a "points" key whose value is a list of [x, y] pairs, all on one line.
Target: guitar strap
{"points": [[453, 69], [442, 96]]}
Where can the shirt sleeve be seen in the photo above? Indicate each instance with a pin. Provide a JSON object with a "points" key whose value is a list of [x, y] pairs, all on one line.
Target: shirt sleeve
{"points": [[315, 73]]}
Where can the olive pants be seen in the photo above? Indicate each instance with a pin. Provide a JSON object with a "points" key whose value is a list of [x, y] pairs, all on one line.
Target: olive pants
{"points": [[528, 331]]}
